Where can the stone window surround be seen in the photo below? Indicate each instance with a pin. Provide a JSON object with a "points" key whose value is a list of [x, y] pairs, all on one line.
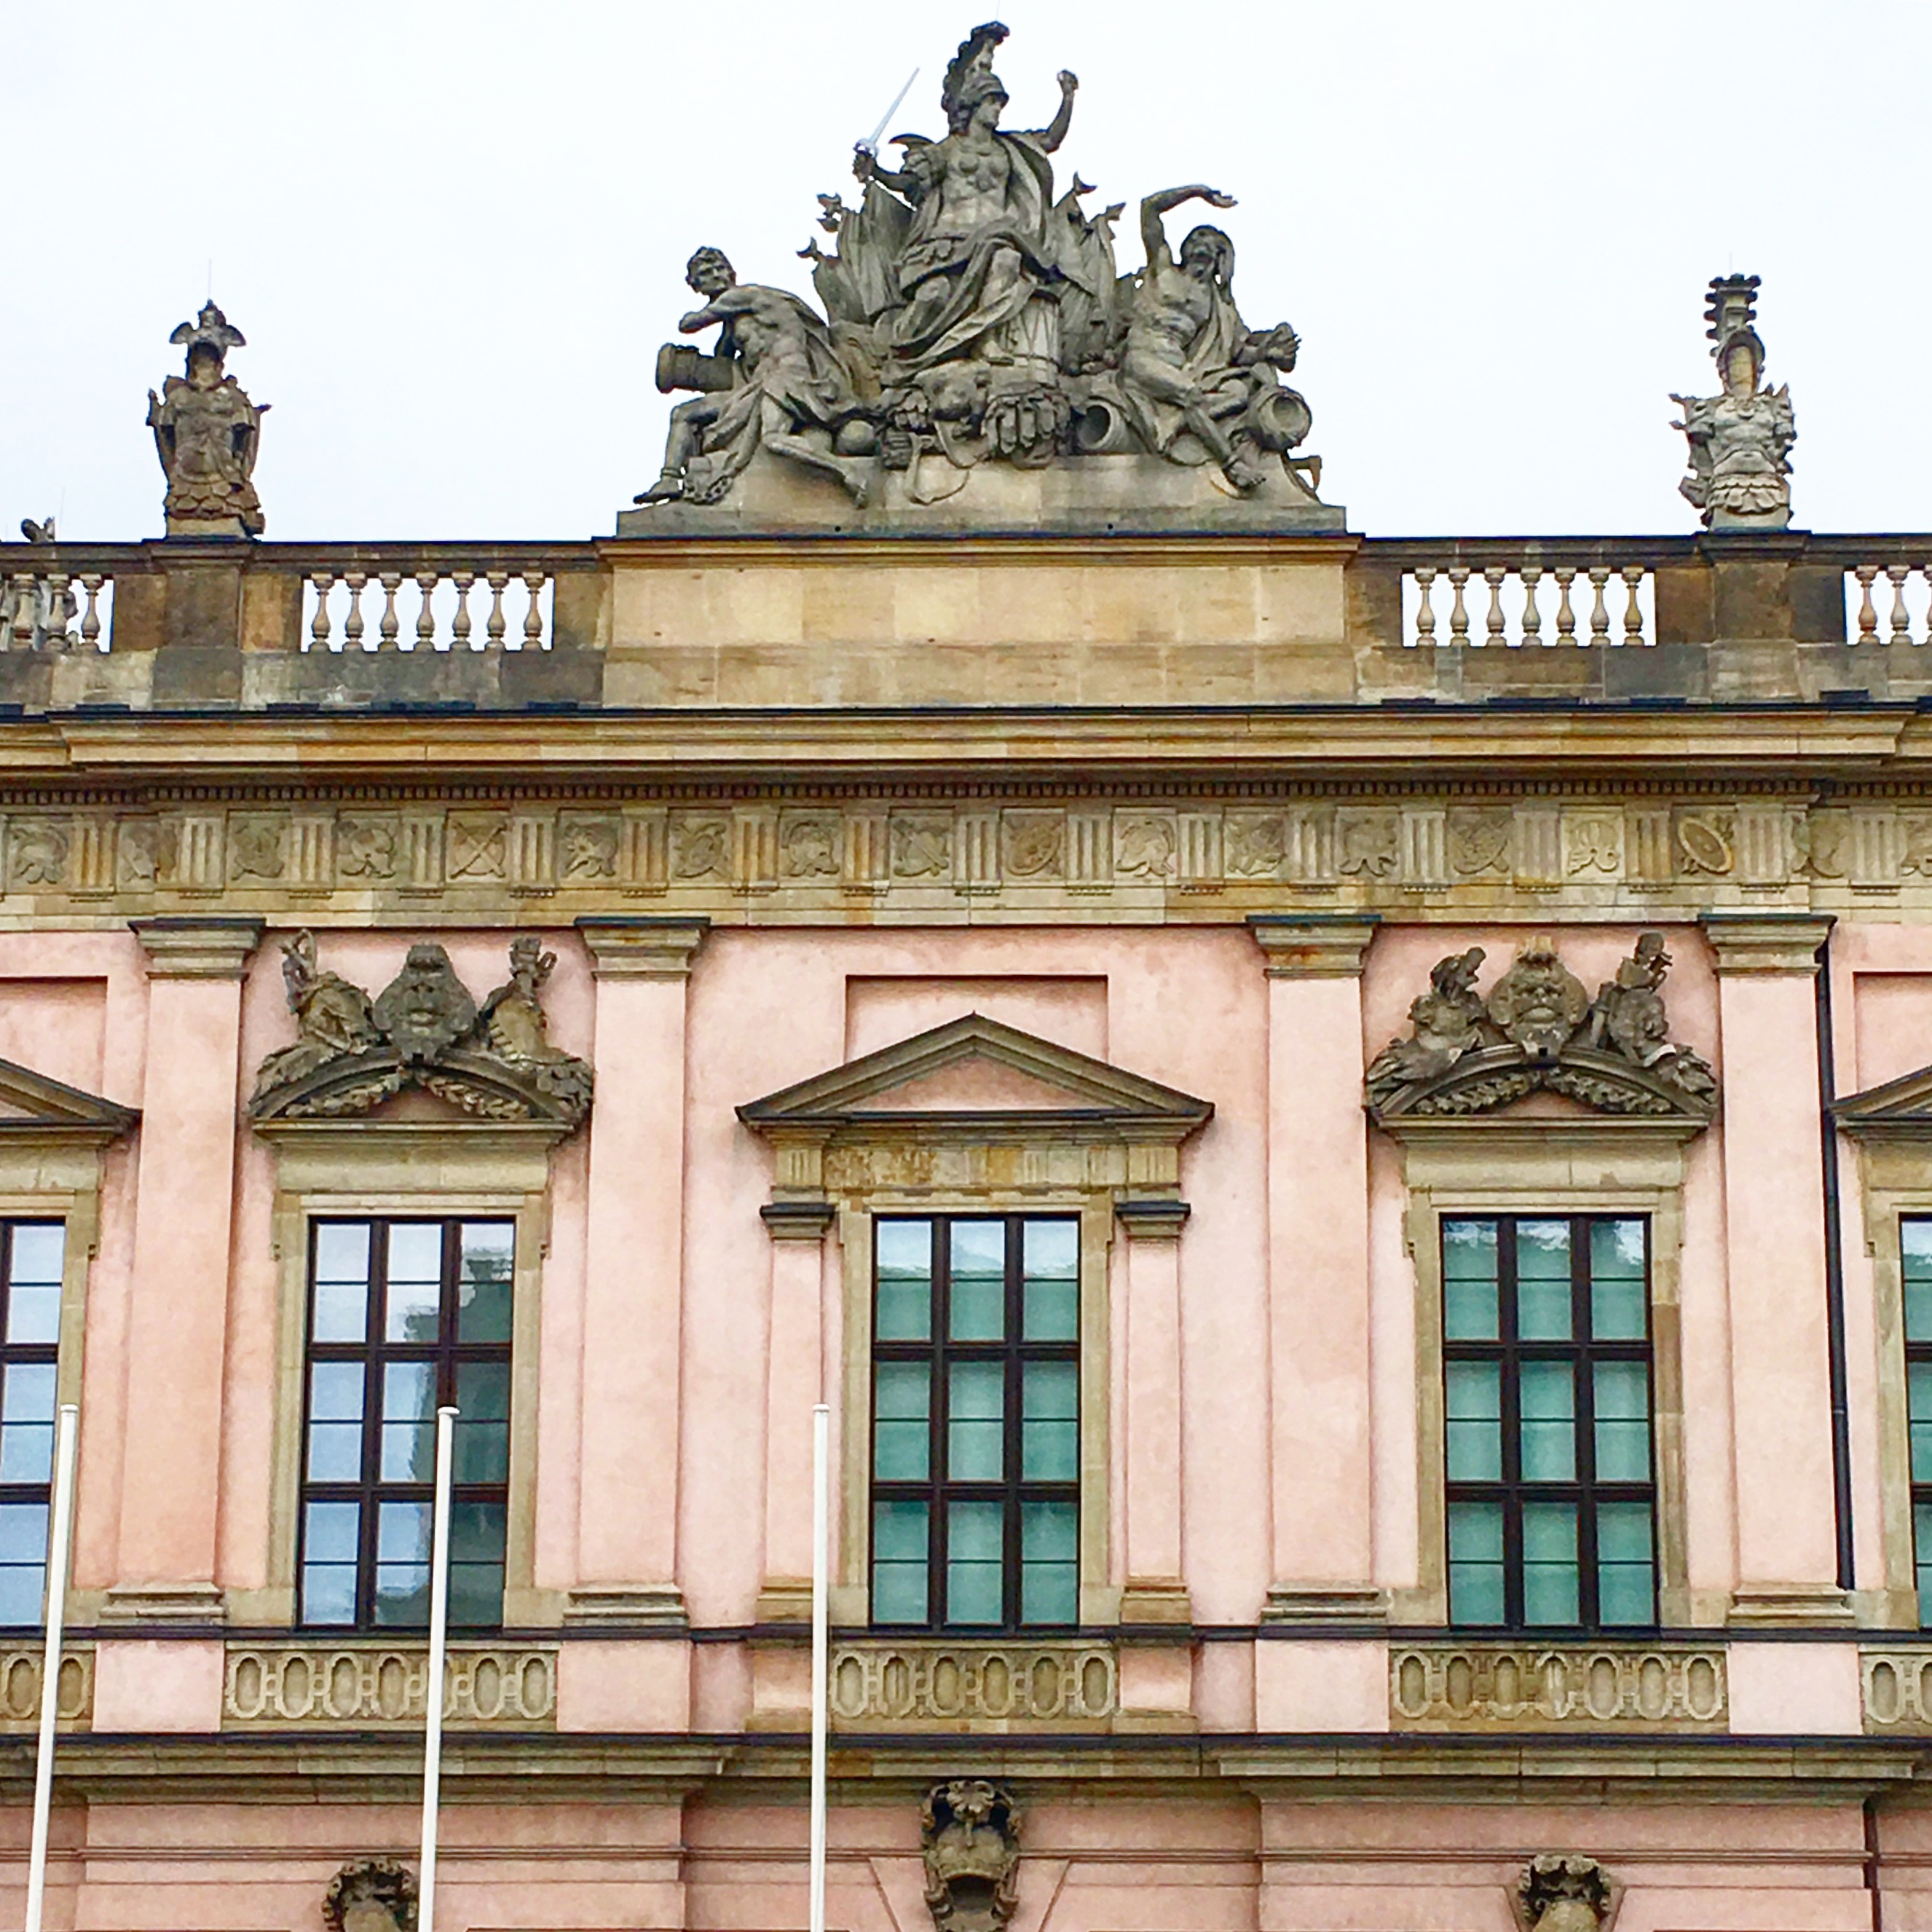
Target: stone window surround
{"points": [[1544, 1164], [432, 1169]]}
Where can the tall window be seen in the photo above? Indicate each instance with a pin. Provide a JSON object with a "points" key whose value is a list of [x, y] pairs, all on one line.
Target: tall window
{"points": [[31, 1253], [405, 1316], [976, 1422], [1551, 1495], [1914, 1233]]}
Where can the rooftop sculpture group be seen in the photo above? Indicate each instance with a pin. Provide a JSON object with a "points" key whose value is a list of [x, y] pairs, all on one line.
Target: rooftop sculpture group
{"points": [[972, 316]]}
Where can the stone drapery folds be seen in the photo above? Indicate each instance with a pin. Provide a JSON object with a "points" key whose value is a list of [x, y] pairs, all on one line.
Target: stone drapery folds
{"points": [[423, 1029], [1538, 1028]]}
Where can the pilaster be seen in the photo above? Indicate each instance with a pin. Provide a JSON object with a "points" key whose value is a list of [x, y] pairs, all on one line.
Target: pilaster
{"points": [[794, 1385], [1155, 1591]]}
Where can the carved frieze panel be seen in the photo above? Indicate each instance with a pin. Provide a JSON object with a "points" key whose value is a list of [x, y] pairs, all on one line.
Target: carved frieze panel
{"points": [[1897, 1690], [20, 1687], [1447, 1687], [1372, 853], [332, 1686], [879, 1685]]}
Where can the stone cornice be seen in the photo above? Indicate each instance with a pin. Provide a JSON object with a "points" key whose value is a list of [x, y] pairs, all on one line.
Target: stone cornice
{"points": [[1756, 943]]}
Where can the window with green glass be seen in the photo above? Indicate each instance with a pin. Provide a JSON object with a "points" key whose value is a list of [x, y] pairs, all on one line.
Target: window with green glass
{"points": [[1551, 1494], [1914, 1241], [976, 1422], [404, 1317], [32, 1254]]}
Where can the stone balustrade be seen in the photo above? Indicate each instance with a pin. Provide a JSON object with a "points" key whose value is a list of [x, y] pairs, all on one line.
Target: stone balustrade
{"points": [[1527, 594], [1890, 602], [359, 1683], [53, 609], [20, 1667], [880, 1684], [1449, 1687], [439, 606]]}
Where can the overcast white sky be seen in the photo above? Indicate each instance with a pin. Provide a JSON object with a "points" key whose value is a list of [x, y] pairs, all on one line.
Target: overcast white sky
{"points": [[453, 234]]}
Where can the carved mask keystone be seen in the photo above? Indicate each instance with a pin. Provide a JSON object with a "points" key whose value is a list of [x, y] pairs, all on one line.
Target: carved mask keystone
{"points": [[1560, 1893], [969, 1833], [371, 1895]]}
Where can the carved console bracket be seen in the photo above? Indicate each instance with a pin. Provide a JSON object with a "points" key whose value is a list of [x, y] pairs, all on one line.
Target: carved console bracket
{"points": [[642, 948], [1313, 946], [1539, 1028], [183, 947], [492, 1059], [1560, 1893], [970, 1835], [371, 1895]]}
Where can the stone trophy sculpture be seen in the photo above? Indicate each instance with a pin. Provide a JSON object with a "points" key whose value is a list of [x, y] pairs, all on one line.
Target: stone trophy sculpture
{"points": [[1741, 440], [208, 434], [975, 321]]}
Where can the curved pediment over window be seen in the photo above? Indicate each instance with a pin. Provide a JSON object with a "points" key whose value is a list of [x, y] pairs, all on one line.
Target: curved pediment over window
{"points": [[1538, 1030], [492, 1060], [976, 1074]]}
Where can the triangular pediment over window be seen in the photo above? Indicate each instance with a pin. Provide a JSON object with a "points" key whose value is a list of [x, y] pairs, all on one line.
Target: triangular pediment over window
{"points": [[976, 1071], [33, 1105], [1901, 1107]]}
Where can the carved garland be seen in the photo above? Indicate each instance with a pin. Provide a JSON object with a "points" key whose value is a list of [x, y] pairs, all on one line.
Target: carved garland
{"points": [[1538, 1028], [423, 1029]]}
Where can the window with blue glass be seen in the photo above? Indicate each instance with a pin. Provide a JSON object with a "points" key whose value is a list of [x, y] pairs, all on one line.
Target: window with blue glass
{"points": [[31, 1256], [976, 1422], [404, 1316], [1915, 1235], [1551, 1494]]}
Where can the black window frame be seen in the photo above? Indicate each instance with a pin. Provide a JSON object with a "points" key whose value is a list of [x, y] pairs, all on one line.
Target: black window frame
{"points": [[24, 1355], [374, 1353], [1582, 1351], [1918, 1354], [940, 1352]]}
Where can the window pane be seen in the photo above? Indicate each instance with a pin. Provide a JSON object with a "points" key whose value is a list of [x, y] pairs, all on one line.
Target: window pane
{"points": [[1626, 1575], [23, 1532], [335, 1391], [1469, 1297], [1049, 1563], [1914, 1241], [403, 1532], [1543, 1298], [902, 1427], [1622, 1402], [40, 1248], [415, 1281], [905, 1262], [1918, 1389], [22, 1594], [1475, 1422], [476, 1534], [1618, 1293], [1549, 1569], [975, 1562], [1921, 1531], [1050, 1422], [409, 1424], [341, 1312], [1050, 1289], [329, 1593], [976, 1423], [483, 1288], [330, 1531], [27, 1412], [1548, 1395], [342, 1251], [899, 1563], [978, 1289], [480, 1453], [1475, 1563]]}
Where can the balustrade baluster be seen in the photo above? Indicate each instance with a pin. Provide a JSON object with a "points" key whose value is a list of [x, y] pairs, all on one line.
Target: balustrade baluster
{"points": [[54, 633], [1492, 618], [352, 629], [324, 583], [1425, 608], [426, 583], [26, 612], [1531, 574], [1901, 625], [494, 625], [387, 628], [533, 582], [1566, 617], [1633, 576], [459, 630], [90, 622], [1867, 616], [1459, 612], [1600, 610]]}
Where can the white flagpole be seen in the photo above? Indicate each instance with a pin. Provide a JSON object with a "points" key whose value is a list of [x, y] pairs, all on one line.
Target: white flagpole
{"points": [[66, 1436], [821, 1457], [439, 1644]]}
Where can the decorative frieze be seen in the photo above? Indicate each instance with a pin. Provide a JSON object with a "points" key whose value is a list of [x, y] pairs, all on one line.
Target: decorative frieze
{"points": [[1374, 854], [330, 1686], [879, 1685], [20, 1687], [1516, 1687], [1897, 1689]]}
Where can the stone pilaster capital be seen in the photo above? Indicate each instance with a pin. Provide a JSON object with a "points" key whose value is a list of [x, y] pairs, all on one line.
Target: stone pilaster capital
{"points": [[1766, 942], [1152, 1220], [642, 948], [184, 947], [797, 1220], [1313, 946]]}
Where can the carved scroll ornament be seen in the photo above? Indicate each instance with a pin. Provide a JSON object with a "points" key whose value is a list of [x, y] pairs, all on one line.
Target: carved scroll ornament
{"points": [[1539, 1028], [423, 1029], [1560, 1893], [970, 1834]]}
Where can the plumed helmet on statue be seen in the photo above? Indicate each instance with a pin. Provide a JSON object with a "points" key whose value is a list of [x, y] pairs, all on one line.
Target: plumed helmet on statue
{"points": [[1731, 309], [210, 329], [969, 78]]}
